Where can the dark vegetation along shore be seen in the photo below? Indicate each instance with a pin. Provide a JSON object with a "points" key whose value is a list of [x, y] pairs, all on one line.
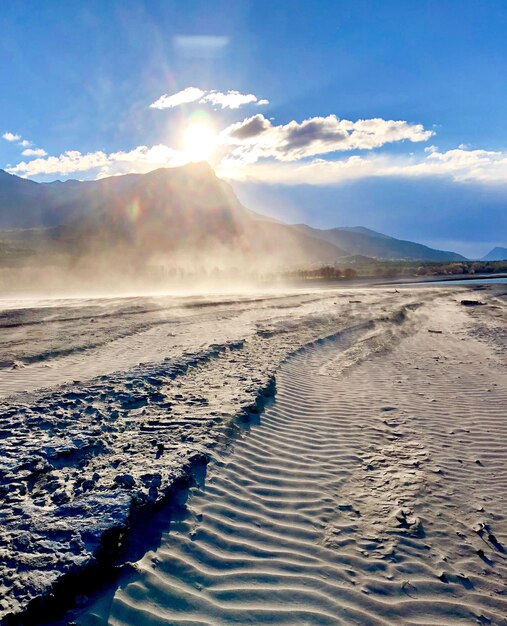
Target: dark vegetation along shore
{"points": [[382, 269]]}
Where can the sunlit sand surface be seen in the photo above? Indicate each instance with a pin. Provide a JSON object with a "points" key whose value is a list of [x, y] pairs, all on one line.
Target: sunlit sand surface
{"points": [[372, 491], [372, 488]]}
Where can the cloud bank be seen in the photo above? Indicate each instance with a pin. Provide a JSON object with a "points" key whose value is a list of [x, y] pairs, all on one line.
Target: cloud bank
{"points": [[226, 100], [141, 159], [256, 137], [257, 149], [459, 165]]}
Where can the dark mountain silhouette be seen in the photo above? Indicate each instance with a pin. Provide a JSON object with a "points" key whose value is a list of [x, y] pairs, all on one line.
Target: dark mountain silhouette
{"points": [[27, 204], [363, 241], [497, 254], [186, 213]]}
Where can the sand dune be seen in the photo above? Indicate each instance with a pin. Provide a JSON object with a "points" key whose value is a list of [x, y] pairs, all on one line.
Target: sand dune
{"points": [[372, 491]]}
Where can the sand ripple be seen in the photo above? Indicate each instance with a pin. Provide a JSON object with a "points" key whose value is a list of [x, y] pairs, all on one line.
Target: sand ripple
{"points": [[368, 495]]}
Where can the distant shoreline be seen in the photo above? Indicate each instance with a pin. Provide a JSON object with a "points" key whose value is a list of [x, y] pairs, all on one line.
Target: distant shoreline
{"points": [[445, 278], [374, 281]]}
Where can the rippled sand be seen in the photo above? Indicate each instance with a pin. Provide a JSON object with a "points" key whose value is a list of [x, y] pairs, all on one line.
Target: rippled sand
{"points": [[372, 491]]}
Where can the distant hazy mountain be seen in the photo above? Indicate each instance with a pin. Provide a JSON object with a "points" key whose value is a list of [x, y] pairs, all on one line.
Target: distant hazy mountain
{"points": [[364, 231], [359, 240], [497, 254], [186, 213]]}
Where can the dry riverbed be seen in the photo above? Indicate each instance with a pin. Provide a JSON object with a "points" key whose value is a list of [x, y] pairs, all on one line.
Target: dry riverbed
{"points": [[110, 408]]}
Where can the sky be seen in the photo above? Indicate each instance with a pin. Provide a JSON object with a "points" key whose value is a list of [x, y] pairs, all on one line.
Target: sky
{"points": [[389, 114]]}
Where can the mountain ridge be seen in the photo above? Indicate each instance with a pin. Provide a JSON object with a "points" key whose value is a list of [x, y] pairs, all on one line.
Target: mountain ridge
{"points": [[499, 253], [358, 240], [185, 210]]}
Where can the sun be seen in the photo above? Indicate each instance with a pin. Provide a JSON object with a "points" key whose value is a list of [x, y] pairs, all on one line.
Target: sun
{"points": [[199, 141]]}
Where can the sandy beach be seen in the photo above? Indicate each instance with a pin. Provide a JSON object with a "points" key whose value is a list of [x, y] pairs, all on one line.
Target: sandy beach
{"points": [[306, 457]]}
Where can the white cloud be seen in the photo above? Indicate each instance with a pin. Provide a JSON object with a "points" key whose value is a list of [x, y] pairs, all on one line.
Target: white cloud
{"points": [[69, 162], [256, 137], [229, 99], [11, 136], [314, 172], [258, 149], [190, 94], [226, 100], [38, 152], [460, 165], [141, 159], [24, 143]]}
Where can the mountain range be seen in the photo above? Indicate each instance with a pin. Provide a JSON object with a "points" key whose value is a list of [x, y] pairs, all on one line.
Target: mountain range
{"points": [[363, 241], [186, 213], [497, 254]]}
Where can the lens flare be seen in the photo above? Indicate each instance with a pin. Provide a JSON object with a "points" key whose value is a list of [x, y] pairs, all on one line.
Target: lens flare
{"points": [[199, 141]]}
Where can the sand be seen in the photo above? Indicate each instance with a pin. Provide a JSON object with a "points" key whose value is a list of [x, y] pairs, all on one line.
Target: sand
{"points": [[371, 490]]}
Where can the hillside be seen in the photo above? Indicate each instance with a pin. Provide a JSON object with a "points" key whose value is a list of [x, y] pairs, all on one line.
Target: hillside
{"points": [[497, 254], [363, 241], [182, 215]]}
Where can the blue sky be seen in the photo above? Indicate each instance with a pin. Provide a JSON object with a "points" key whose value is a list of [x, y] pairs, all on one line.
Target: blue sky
{"points": [[386, 114]]}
